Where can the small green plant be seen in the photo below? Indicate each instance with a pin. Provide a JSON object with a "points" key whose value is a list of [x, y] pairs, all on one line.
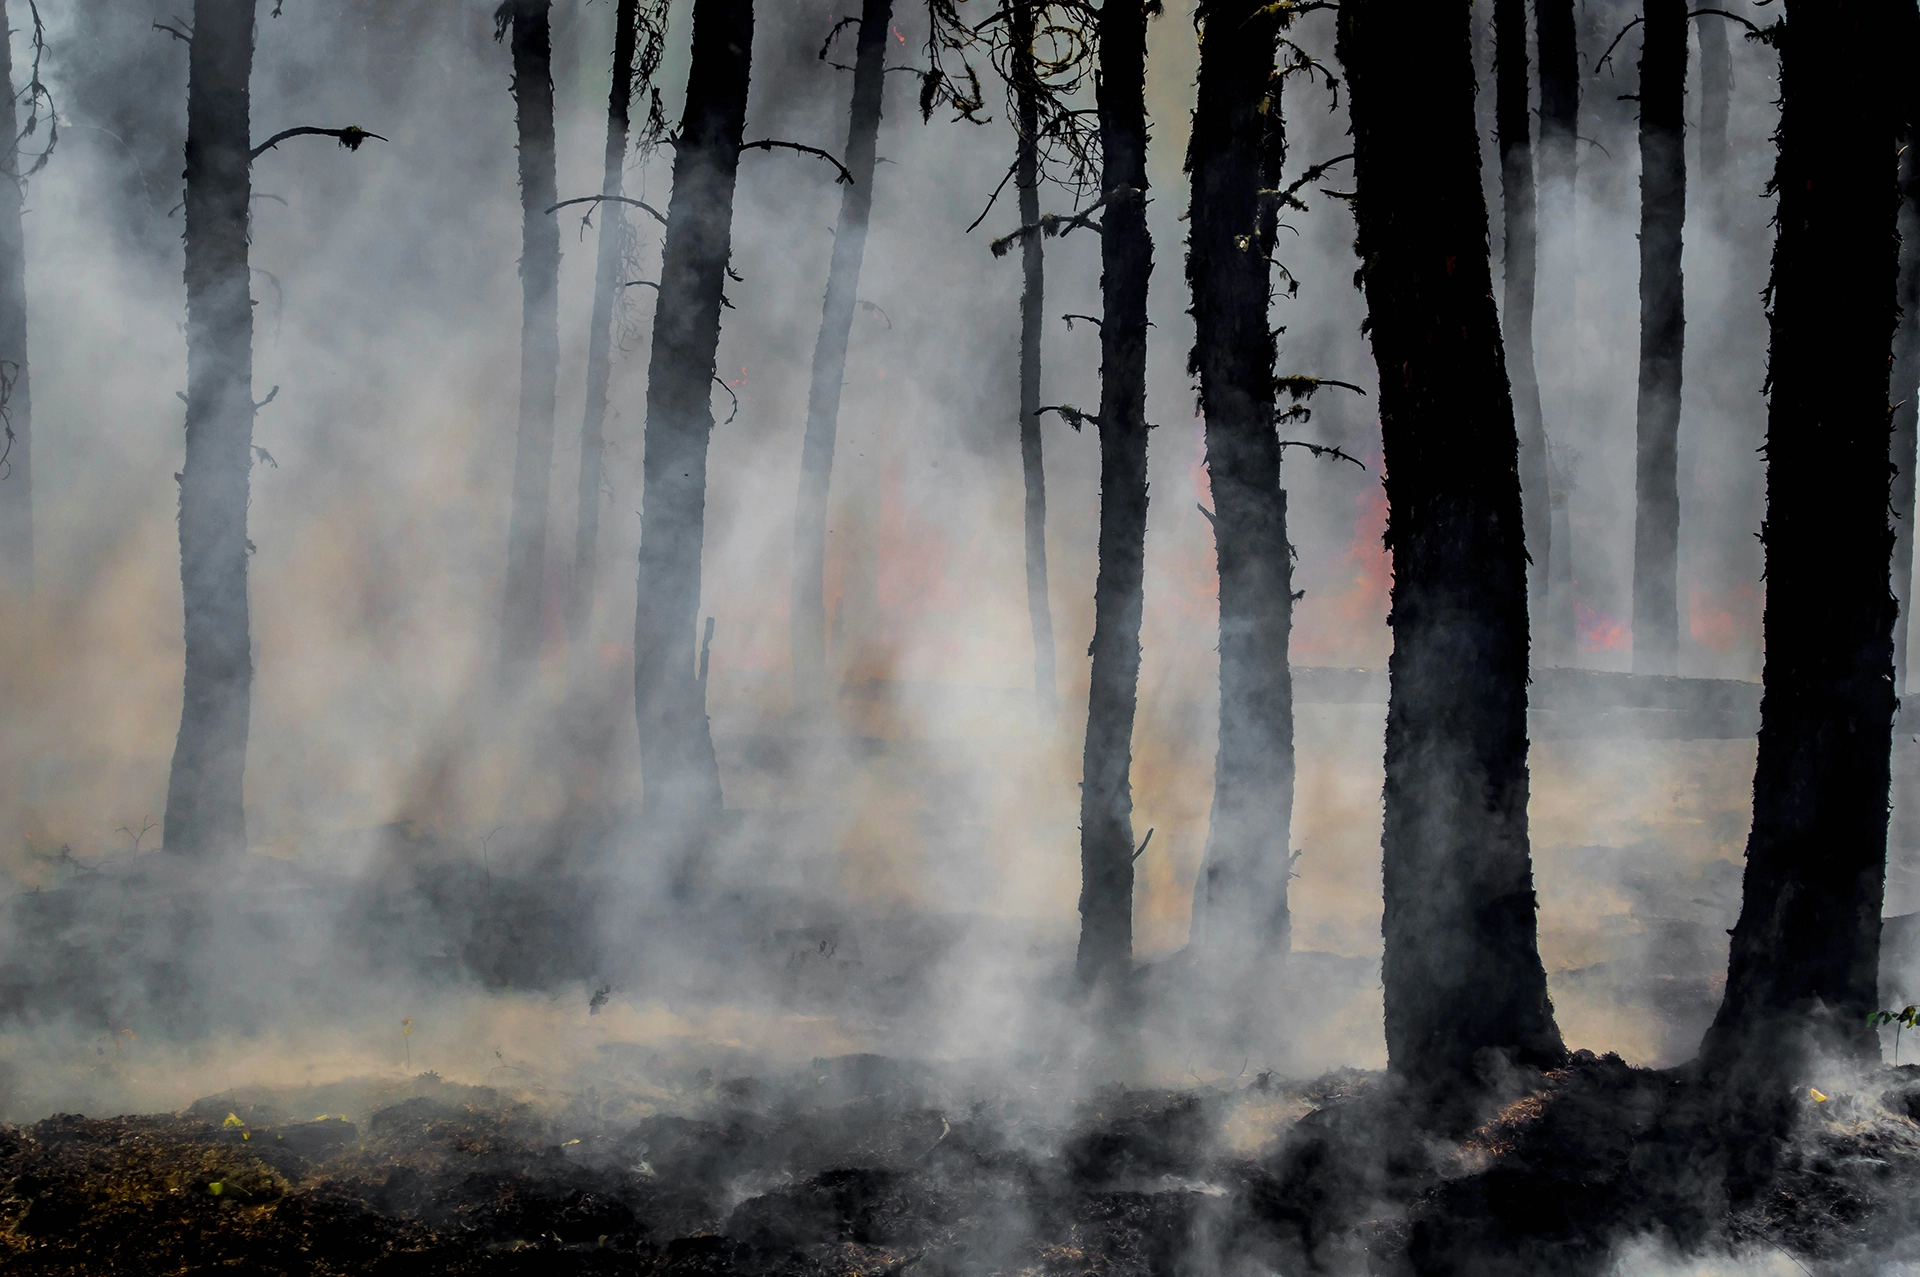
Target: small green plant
{"points": [[1899, 1020]]}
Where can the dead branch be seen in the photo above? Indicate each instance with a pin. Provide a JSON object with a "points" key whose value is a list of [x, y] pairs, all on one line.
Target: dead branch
{"points": [[1323, 450], [1141, 850], [729, 389], [1069, 414], [1722, 13], [768, 144], [350, 137], [874, 309], [264, 457], [642, 283], [1303, 387], [993, 198], [617, 199], [177, 33], [1605, 57], [834, 34], [1059, 224], [1207, 514], [271, 396], [1289, 197], [1089, 318]]}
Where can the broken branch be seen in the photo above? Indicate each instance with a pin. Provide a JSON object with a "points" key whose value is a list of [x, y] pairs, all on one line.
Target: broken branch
{"points": [[1323, 450], [350, 137], [658, 216], [768, 144]]}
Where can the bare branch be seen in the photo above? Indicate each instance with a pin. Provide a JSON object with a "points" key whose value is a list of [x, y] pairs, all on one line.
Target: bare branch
{"points": [[768, 144], [176, 32], [1605, 57], [1089, 318], [1303, 387], [1058, 224], [993, 198], [736, 401], [1142, 849], [658, 216], [350, 137], [1069, 414], [1323, 450], [642, 283]]}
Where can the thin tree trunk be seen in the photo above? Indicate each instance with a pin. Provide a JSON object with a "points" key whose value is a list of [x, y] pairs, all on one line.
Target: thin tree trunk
{"points": [[16, 471], [1557, 49], [1126, 260], [1513, 120], [1804, 961], [520, 627], [1663, 215], [1716, 101], [682, 778], [1237, 150], [204, 812], [1026, 180], [1906, 393], [606, 288], [1462, 968], [809, 615]]}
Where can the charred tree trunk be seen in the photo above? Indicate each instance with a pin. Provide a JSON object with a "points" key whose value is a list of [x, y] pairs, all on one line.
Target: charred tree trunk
{"points": [[682, 779], [1804, 960], [1663, 215], [606, 288], [1126, 263], [204, 813], [830, 359], [1513, 120], [1237, 151], [520, 627], [1557, 48], [1462, 967], [1026, 180], [1906, 385], [16, 471]]}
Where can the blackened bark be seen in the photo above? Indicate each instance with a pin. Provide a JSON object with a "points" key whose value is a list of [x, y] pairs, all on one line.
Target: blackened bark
{"points": [[1716, 101], [1906, 371], [1026, 180], [809, 614], [1513, 121], [1804, 959], [16, 472], [1237, 150], [606, 286], [520, 627], [1557, 49], [204, 813], [682, 779], [1126, 262], [1462, 971], [1663, 213]]}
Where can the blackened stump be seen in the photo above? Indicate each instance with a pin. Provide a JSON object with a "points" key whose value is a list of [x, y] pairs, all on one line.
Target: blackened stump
{"points": [[1464, 986]]}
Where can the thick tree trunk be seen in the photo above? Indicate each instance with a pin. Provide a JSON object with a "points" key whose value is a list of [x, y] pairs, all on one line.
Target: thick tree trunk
{"points": [[1026, 180], [682, 779], [1906, 391], [1557, 49], [520, 626], [1663, 215], [809, 615], [1513, 120], [204, 814], [16, 471], [1462, 968], [606, 288], [1804, 961], [1237, 150], [1126, 261]]}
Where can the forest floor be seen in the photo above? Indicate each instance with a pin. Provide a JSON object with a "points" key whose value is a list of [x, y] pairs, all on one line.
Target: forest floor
{"points": [[864, 1166]]}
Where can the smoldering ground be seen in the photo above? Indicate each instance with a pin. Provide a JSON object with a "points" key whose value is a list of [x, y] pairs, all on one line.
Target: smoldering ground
{"points": [[857, 1054]]}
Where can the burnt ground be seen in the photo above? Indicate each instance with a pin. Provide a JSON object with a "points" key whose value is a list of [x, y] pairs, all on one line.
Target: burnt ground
{"points": [[869, 1166]]}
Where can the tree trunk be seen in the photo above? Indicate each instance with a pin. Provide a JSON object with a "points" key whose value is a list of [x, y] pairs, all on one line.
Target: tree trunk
{"points": [[520, 627], [1716, 101], [809, 616], [16, 471], [1906, 388], [1513, 120], [1663, 215], [1026, 180], [1462, 970], [1237, 150], [1804, 961], [1126, 259], [682, 796], [204, 814], [1558, 52], [606, 290]]}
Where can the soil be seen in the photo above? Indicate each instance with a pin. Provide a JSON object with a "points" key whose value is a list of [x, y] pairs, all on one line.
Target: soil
{"points": [[871, 1167]]}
